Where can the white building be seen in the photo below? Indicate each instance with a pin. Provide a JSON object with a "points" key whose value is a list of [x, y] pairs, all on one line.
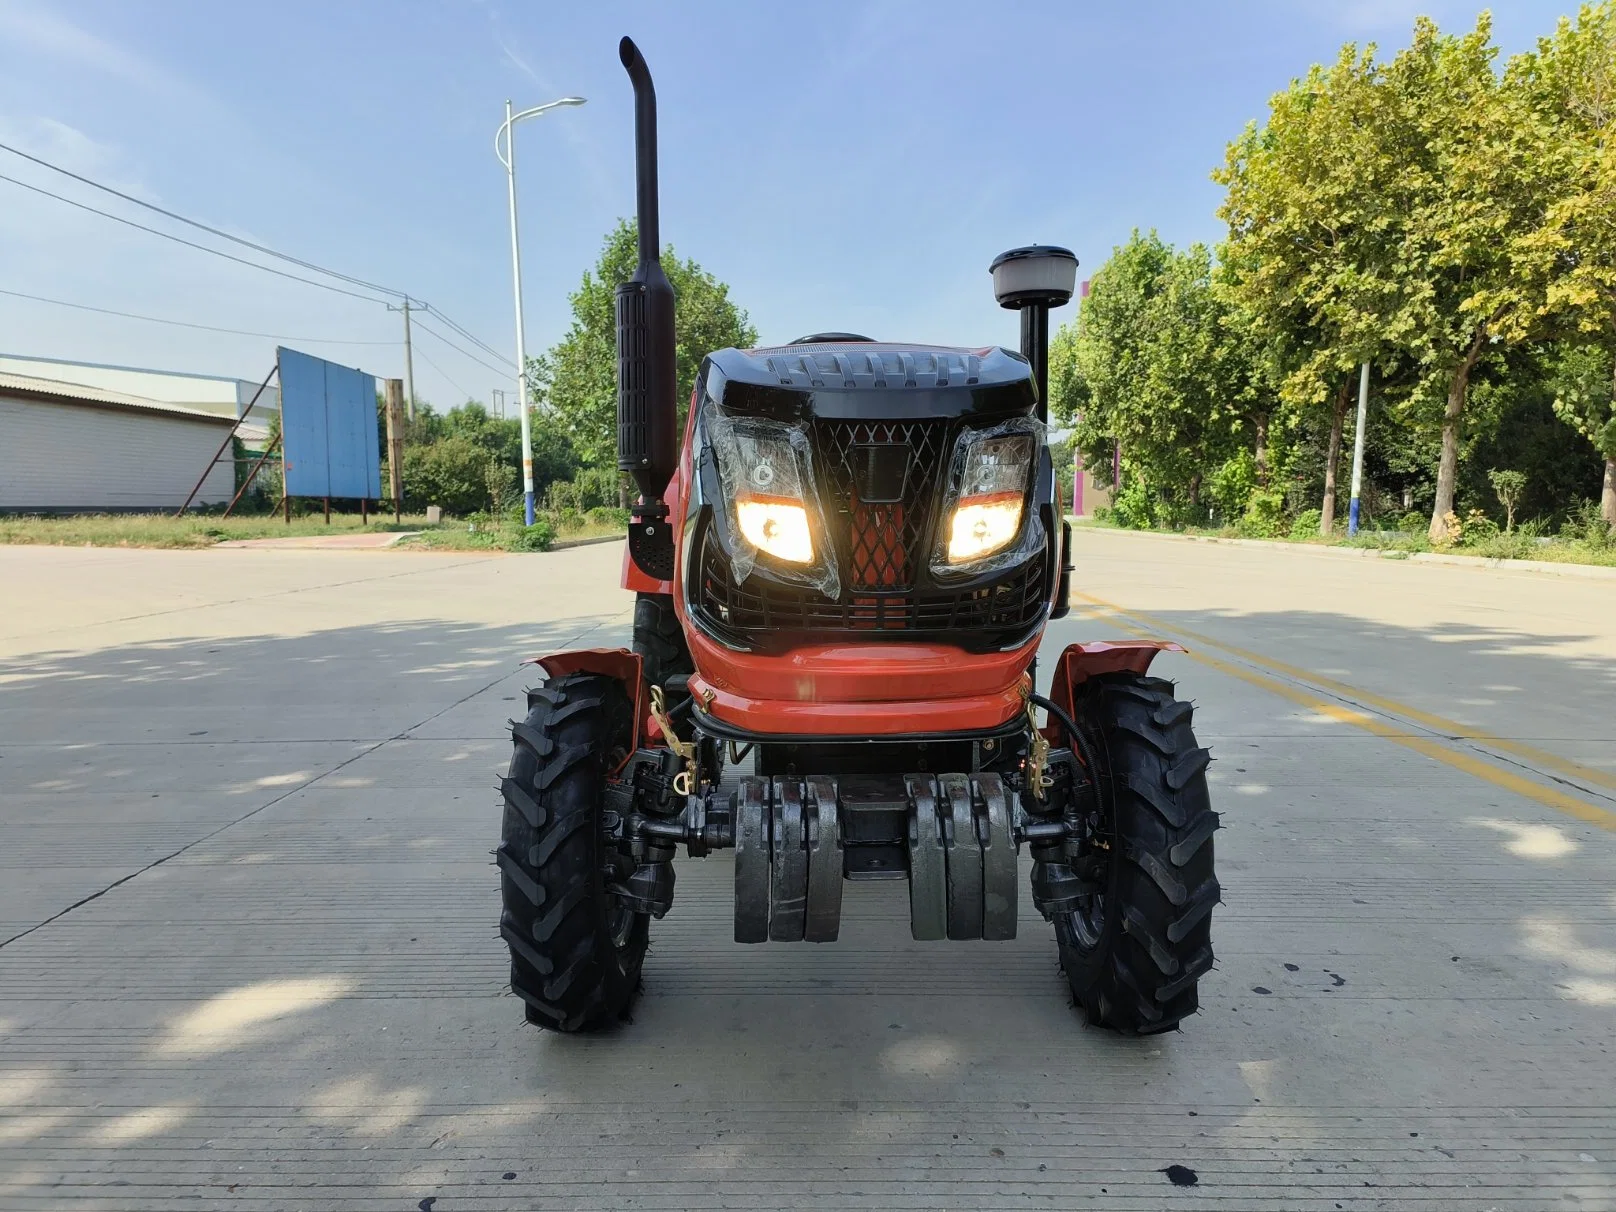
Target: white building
{"points": [[76, 449], [215, 394]]}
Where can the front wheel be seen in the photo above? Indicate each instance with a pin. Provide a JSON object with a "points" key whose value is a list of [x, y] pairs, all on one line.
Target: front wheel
{"points": [[576, 947], [1134, 951]]}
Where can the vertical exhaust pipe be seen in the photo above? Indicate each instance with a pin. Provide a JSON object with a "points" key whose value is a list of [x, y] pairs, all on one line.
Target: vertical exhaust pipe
{"points": [[646, 368]]}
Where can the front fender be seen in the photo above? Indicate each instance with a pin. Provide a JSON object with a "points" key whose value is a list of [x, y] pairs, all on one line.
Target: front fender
{"points": [[619, 664], [1080, 662]]}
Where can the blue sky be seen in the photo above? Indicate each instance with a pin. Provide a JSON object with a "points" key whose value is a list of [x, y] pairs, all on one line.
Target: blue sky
{"points": [[857, 169]]}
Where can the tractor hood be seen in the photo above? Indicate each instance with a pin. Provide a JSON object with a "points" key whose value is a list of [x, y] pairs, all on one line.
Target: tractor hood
{"points": [[868, 380]]}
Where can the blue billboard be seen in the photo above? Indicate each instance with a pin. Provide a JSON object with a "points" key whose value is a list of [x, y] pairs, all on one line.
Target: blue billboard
{"points": [[328, 428]]}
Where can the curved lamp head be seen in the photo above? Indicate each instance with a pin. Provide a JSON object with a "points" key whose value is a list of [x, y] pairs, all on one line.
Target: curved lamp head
{"points": [[502, 136], [1038, 273]]}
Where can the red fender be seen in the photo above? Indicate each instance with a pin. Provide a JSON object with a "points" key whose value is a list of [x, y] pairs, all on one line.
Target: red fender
{"points": [[619, 664], [1080, 662]]}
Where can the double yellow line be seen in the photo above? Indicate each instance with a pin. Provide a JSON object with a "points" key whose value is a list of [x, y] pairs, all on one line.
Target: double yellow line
{"points": [[1379, 725]]}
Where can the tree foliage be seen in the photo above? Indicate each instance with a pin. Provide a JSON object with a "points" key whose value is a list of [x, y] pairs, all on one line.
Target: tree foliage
{"points": [[1157, 362], [1446, 218], [575, 383]]}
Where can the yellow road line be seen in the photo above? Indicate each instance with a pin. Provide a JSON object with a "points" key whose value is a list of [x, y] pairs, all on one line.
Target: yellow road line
{"points": [[1437, 723], [1474, 766]]}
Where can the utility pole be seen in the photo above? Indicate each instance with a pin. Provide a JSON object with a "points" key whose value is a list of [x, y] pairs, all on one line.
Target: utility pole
{"points": [[395, 445], [409, 357], [1357, 449]]}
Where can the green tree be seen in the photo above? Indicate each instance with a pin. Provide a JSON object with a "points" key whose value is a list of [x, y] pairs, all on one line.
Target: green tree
{"points": [[1309, 237], [1152, 362], [1509, 485], [1571, 83], [575, 383], [1585, 399], [1472, 187]]}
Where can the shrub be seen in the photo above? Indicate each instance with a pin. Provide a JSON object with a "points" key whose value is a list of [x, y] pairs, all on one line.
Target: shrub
{"points": [[1412, 523], [1588, 525], [1264, 517], [1452, 532], [1476, 529], [608, 515], [1501, 545], [452, 473], [1306, 524], [1232, 484], [1134, 506], [537, 537], [504, 487]]}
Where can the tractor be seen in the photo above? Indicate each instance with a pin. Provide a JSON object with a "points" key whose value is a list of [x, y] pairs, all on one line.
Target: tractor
{"points": [[842, 577]]}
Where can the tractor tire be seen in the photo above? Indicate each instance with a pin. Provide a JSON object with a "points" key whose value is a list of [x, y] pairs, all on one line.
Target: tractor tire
{"points": [[1134, 953], [659, 639], [576, 950]]}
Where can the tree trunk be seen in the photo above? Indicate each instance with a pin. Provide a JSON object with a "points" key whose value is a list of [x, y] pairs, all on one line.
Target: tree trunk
{"points": [[1343, 397], [1261, 452], [1447, 471]]}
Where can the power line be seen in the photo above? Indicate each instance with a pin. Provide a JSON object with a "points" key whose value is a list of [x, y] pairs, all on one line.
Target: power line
{"points": [[224, 235], [237, 332], [445, 374], [499, 370], [481, 344], [190, 244]]}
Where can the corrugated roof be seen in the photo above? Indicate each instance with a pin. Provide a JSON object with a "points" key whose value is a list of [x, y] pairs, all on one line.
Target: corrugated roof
{"points": [[95, 397]]}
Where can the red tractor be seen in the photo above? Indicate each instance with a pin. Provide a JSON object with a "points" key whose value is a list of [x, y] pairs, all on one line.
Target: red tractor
{"points": [[844, 574]]}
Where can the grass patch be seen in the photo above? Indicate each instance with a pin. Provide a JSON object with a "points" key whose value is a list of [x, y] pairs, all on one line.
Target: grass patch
{"points": [[192, 531], [1400, 545]]}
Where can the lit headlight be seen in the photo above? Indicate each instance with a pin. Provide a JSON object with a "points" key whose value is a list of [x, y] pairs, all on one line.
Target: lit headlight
{"points": [[991, 470], [779, 528], [765, 469], [982, 526]]}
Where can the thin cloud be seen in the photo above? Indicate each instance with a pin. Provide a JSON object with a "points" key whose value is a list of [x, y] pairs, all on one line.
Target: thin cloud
{"points": [[71, 148], [46, 32], [603, 182]]}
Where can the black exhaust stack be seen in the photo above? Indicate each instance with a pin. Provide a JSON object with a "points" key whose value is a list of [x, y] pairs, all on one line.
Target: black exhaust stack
{"points": [[647, 374]]}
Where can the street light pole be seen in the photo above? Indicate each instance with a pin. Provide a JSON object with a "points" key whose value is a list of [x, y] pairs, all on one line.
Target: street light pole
{"points": [[505, 149], [1357, 450]]}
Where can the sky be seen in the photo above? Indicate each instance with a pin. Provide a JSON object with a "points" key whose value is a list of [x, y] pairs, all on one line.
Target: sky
{"points": [[853, 169]]}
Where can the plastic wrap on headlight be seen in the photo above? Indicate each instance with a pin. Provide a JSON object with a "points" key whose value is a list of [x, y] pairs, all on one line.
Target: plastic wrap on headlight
{"points": [[766, 469], [986, 522]]}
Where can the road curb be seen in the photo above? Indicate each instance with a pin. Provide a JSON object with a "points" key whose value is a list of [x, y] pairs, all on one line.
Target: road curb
{"points": [[563, 544], [1551, 567]]}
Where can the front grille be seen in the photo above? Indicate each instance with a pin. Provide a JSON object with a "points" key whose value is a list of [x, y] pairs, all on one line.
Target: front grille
{"points": [[879, 484], [755, 605], [877, 503]]}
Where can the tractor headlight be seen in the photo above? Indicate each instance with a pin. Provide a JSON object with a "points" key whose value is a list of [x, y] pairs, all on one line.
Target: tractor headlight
{"points": [[987, 496], [981, 527], [776, 527], [766, 469]]}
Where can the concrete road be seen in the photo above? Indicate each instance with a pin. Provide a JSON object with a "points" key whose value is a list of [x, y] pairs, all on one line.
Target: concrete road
{"points": [[246, 808]]}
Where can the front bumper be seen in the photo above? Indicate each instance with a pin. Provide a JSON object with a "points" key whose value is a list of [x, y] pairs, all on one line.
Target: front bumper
{"points": [[852, 690]]}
